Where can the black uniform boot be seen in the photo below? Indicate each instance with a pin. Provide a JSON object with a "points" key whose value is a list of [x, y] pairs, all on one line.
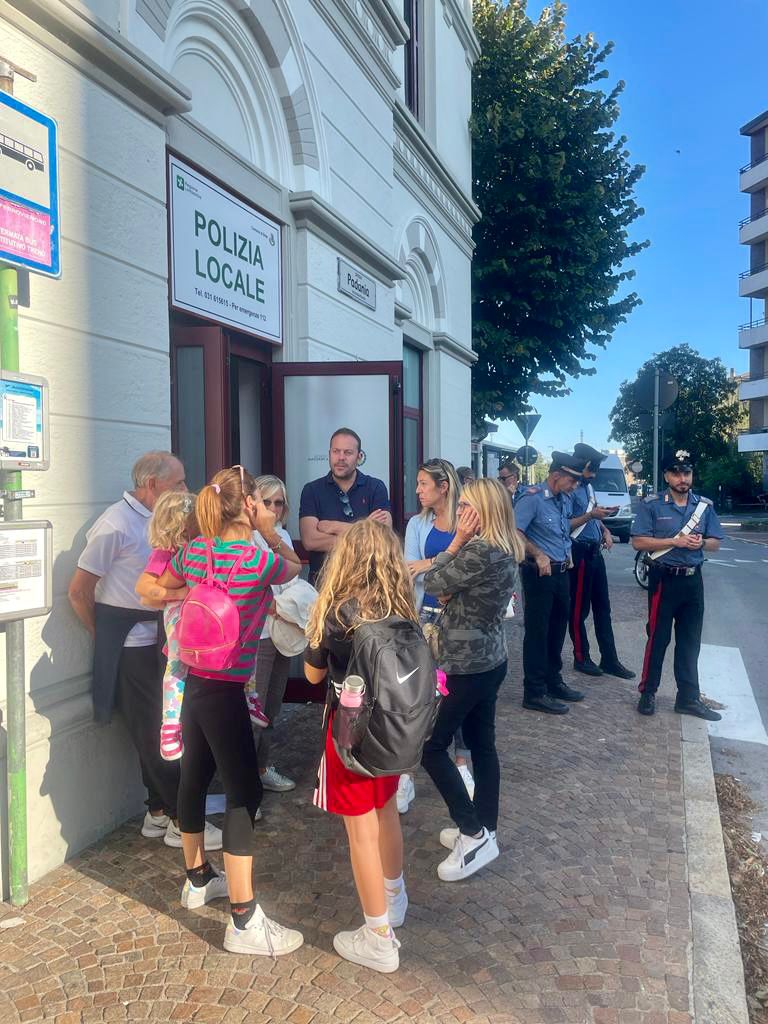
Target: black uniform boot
{"points": [[647, 703], [615, 668], [546, 704], [588, 667], [564, 692], [698, 709]]}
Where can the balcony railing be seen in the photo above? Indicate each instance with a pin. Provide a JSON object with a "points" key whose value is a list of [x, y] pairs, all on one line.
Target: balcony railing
{"points": [[755, 376], [753, 323], [752, 271], [754, 430], [753, 218], [753, 163]]}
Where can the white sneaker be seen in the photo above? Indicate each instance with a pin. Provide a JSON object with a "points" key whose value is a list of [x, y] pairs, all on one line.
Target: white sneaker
{"points": [[397, 907], [406, 794], [468, 856], [466, 778], [193, 897], [212, 838], [368, 949], [273, 781], [262, 937], [155, 827], [448, 837]]}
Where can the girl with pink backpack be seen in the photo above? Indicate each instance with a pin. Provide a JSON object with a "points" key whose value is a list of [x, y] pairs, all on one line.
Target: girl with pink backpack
{"points": [[229, 593]]}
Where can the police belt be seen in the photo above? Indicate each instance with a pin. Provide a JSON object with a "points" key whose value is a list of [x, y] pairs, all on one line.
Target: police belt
{"points": [[586, 548], [674, 570], [556, 567]]}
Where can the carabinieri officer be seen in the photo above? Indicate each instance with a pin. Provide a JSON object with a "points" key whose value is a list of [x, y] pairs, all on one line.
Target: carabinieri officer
{"points": [[588, 578], [543, 513], [674, 529]]}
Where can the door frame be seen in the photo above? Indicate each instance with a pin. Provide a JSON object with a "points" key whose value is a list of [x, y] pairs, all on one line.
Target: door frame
{"points": [[211, 338], [392, 369], [262, 355]]}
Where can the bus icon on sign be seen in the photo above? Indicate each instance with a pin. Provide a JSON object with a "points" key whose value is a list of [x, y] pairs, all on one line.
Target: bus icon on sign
{"points": [[32, 159]]}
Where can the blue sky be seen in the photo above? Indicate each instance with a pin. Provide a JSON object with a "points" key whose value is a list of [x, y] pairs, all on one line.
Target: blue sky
{"points": [[694, 74]]}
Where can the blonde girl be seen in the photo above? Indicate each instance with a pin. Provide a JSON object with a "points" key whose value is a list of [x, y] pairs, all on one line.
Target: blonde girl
{"points": [[364, 579], [475, 577], [171, 526]]}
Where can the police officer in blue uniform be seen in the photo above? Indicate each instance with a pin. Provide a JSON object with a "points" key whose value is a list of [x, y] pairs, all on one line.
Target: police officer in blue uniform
{"points": [[675, 528], [588, 578], [543, 514]]}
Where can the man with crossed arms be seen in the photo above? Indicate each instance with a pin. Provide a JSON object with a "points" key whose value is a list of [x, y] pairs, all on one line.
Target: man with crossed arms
{"points": [[675, 529]]}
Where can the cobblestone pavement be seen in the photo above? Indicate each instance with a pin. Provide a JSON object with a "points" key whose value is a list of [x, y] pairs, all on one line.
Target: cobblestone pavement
{"points": [[584, 917]]}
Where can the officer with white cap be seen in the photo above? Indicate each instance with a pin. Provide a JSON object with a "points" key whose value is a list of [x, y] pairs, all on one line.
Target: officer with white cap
{"points": [[674, 529]]}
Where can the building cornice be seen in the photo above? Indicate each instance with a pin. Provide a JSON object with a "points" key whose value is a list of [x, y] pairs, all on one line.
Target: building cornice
{"points": [[73, 32], [312, 212], [445, 343], [419, 162], [369, 40], [456, 16], [391, 21]]}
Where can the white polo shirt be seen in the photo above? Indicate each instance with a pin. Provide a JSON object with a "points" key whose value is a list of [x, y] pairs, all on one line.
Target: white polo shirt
{"points": [[117, 551]]}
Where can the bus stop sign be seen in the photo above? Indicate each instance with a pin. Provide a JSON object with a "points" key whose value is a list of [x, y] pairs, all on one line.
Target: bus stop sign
{"points": [[29, 188]]}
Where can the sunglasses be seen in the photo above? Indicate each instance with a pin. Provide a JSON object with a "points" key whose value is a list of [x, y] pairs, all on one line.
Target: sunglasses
{"points": [[508, 476], [277, 502], [346, 505]]}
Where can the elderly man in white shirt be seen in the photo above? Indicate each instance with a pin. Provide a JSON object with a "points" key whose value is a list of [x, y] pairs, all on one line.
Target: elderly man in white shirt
{"points": [[127, 669]]}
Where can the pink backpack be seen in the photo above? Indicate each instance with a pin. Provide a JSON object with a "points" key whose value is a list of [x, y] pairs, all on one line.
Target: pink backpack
{"points": [[208, 630]]}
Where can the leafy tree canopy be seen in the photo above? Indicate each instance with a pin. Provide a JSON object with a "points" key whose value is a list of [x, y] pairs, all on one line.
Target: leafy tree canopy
{"points": [[556, 190], [707, 411]]}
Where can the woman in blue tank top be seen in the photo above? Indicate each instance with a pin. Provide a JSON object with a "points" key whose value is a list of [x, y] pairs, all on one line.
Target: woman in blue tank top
{"points": [[427, 534]]}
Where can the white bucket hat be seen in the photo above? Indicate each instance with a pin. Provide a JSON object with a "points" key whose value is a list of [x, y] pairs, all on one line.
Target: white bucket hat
{"points": [[294, 603]]}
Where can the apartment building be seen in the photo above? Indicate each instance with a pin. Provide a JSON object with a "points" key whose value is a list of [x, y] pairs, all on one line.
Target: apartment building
{"points": [[753, 285]]}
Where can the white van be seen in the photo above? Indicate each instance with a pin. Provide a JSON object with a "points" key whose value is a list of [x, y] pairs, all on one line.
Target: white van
{"points": [[610, 484]]}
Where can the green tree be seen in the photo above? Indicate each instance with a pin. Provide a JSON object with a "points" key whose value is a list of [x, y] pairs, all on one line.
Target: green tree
{"points": [[707, 413], [556, 190]]}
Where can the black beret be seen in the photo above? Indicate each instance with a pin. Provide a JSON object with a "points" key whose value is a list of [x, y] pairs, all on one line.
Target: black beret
{"points": [[592, 457], [567, 463], [677, 459]]}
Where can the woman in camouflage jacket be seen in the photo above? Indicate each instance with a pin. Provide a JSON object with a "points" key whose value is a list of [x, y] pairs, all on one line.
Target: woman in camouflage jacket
{"points": [[475, 578]]}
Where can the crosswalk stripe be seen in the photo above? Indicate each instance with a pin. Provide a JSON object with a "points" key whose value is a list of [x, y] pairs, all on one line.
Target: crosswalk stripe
{"points": [[723, 675]]}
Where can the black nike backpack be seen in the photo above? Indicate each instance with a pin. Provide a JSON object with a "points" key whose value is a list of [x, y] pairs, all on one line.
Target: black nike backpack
{"points": [[400, 701]]}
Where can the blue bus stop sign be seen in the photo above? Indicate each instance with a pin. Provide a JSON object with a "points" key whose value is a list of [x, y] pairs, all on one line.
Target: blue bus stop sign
{"points": [[29, 188]]}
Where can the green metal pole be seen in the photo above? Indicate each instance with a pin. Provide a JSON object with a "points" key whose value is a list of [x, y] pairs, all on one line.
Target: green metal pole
{"points": [[14, 631]]}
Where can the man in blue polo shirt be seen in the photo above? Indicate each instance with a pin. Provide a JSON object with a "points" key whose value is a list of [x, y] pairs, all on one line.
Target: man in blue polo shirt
{"points": [[330, 505], [542, 513]]}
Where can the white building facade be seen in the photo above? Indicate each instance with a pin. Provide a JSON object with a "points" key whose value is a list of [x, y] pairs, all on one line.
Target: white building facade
{"points": [[266, 233], [753, 285]]}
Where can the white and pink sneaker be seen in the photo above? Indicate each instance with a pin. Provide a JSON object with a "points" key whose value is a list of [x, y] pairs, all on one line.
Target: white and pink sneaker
{"points": [[171, 746]]}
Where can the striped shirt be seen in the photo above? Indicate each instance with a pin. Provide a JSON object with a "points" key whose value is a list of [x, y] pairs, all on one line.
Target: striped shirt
{"points": [[250, 590]]}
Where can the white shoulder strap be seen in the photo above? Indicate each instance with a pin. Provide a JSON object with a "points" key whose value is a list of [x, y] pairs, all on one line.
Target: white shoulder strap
{"points": [[689, 527], [590, 505]]}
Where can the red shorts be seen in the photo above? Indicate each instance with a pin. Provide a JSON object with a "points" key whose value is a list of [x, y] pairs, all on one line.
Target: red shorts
{"points": [[341, 791]]}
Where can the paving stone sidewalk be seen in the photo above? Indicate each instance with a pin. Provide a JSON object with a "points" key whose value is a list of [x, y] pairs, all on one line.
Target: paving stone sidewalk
{"points": [[585, 917]]}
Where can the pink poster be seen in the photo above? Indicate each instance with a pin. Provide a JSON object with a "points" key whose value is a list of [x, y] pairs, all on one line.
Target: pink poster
{"points": [[25, 233]]}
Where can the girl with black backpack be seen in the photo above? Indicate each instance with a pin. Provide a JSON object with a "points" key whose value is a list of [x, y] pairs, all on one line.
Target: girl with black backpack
{"points": [[365, 580]]}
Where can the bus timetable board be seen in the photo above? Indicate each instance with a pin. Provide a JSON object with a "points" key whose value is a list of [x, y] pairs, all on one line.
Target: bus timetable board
{"points": [[26, 558], [29, 188], [23, 421]]}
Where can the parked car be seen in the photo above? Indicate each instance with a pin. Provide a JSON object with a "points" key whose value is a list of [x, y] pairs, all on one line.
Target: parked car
{"points": [[611, 489]]}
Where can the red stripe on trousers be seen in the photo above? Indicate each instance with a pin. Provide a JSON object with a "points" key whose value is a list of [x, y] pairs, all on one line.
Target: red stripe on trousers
{"points": [[652, 620], [577, 649]]}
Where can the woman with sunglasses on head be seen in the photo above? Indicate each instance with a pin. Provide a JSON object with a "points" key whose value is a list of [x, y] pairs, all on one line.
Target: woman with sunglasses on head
{"points": [[427, 534], [215, 722], [271, 672], [475, 577]]}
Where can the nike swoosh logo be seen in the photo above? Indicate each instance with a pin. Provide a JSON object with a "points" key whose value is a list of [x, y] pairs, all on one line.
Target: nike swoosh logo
{"points": [[402, 679]]}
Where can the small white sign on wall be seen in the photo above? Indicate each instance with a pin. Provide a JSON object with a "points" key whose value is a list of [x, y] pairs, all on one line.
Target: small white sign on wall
{"points": [[226, 257], [356, 285], [26, 558]]}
